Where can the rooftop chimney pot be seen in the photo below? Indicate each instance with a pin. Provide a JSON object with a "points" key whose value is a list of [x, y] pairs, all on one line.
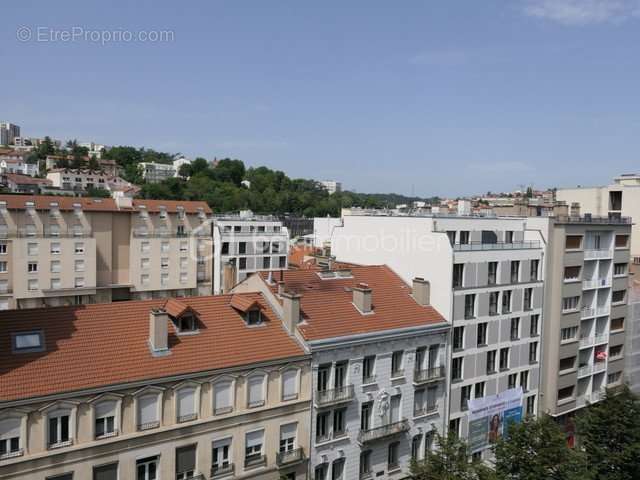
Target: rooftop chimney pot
{"points": [[159, 332], [291, 308], [362, 297], [421, 291]]}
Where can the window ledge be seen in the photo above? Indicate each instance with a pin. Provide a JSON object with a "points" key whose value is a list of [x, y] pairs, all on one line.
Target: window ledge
{"points": [[565, 401], [567, 371]]}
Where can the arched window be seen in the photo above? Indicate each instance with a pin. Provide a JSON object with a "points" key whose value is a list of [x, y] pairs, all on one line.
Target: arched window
{"points": [[105, 414]]}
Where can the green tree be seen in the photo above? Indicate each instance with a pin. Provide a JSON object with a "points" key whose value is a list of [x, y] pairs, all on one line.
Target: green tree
{"points": [[93, 163], [98, 192], [45, 148], [184, 171], [537, 449], [609, 434]]}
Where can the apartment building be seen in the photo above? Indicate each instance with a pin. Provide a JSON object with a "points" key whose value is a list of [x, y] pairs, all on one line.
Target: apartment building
{"points": [[156, 172], [67, 250], [15, 162], [244, 244], [331, 186], [201, 387], [619, 199], [8, 133], [485, 277], [586, 296], [632, 334], [378, 364], [80, 180]]}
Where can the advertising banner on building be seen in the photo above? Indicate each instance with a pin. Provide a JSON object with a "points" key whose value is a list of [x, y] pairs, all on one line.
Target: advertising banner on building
{"points": [[490, 417]]}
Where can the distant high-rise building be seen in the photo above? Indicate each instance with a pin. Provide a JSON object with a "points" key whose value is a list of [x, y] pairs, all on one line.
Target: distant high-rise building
{"points": [[8, 133], [331, 186]]}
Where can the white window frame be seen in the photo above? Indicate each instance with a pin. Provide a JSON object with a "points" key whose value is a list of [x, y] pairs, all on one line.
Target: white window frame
{"points": [[176, 401], [232, 386], [296, 372], [252, 375], [22, 418], [107, 397], [147, 392], [57, 409]]}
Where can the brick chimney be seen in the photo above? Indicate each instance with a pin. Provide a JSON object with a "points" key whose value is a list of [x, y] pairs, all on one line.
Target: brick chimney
{"points": [[421, 291], [362, 297], [291, 309], [159, 332]]}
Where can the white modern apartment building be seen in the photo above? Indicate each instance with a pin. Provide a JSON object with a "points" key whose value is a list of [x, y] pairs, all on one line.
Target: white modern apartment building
{"points": [[8, 133], [378, 366], [244, 244], [486, 278], [331, 186], [17, 163], [153, 172], [83, 180]]}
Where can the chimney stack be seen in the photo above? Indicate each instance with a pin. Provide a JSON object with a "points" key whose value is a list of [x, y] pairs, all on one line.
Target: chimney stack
{"points": [[421, 291], [228, 276], [291, 309], [362, 297], [575, 209], [159, 332]]}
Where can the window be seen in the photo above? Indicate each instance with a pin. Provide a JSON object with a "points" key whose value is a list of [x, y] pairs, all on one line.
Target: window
{"points": [[79, 248], [571, 273], [339, 422], [184, 246], [452, 236], [105, 419], [508, 236], [469, 306], [615, 351], [185, 462], [464, 237], [568, 334], [283, 262], [365, 463], [3, 248], [55, 248], [458, 273], [622, 241], [337, 469], [396, 364], [492, 273], [58, 428], [79, 265], [524, 380], [222, 397], [491, 362], [79, 282], [55, 284], [506, 301], [145, 247], [614, 378], [186, 407], [515, 271], [458, 338], [573, 242], [504, 358], [533, 270], [478, 390], [290, 384], [242, 263], [511, 381], [164, 247], [148, 414], [533, 325], [164, 279], [567, 363], [256, 391], [456, 369], [481, 336], [528, 300], [32, 267], [618, 296], [368, 369], [10, 444], [164, 263], [366, 411], [533, 352], [515, 328], [242, 248], [531, 405], [3, 267], [64, 476], [32, 249], [322, 426], [393, 456], [617, 324], [106, 472], [254, 317], [454, 427], [570, 303], [221, 456], [266, 263], [465, 396], [32, 284], [55, 266], [565, 393], [225, 248], [493, 303], [144, 279], [288, 437], [394, 409], [320, 472]]}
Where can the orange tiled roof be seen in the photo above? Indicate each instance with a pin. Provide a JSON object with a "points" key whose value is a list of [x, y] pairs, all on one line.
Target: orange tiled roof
{"points": [[242, 303], [329, 312], [26, 179], [176, 308], [43, 202], [91, 346]]}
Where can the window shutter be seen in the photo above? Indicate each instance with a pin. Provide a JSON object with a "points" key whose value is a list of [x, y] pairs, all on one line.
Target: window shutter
{"points": [[254, 439], [289, 380], [222, 395], [288, 431], [256, 385], [186, 402], [186, 459], [148, 409], [106, 472], [105, 409], [10, 428]]}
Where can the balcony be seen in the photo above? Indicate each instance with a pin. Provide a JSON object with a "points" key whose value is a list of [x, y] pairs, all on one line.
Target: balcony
{"points": [[290, 457], [253, 461], [54, 446], [427, 375], [585, 370], [477, 246], [590, 219], [586, 342], [427, 410], [384, 431], [334, 396], [587, 313], [600, 339], [222, 470], [599, 367], [595, 254], [601, 311], [148, 425]]}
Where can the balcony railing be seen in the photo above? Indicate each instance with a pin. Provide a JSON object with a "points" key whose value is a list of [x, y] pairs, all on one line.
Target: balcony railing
{"points": [[148, 425], [599, 366], [593, 254], [587, 312], [428, 375], [600, 339], [601, 311], [335, 395], [585, 370], [383, 431], [222, 470], [15, 453], [475, 246], [426, 410], [66, 443], [586, 342], [292, 456], [255, 461]]}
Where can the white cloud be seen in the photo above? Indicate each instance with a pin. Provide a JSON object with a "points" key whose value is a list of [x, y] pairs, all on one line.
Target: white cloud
{"points": [[582, 12]]}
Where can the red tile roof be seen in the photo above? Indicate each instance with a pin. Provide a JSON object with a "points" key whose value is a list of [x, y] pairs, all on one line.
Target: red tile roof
{"points": [[327, 306], [26, 179], [176, 308], [43, 202], [243, 303], [92, 346]]}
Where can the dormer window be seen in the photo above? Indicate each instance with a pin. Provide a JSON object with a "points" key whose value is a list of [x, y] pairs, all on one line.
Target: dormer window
{"points": [[253, 317], [27, 342], [187, 323]]}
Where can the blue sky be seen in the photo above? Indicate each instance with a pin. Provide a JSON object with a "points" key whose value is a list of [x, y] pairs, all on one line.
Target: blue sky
{"points": [[446, 98]]}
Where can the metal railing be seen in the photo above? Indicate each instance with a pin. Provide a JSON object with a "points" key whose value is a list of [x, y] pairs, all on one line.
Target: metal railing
{"points": [[602, 311], [290, 456], [15, 453], [586, 341], [428, 374], [255, 461], [113, 433], [599, 366], [148, 425], [587, 312], [335, 395], [66, 443], [383, 431], [585, 370], [476, 246], [591, 219], [221, 470], [187, 418], [597, 253], [426, 410]]}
